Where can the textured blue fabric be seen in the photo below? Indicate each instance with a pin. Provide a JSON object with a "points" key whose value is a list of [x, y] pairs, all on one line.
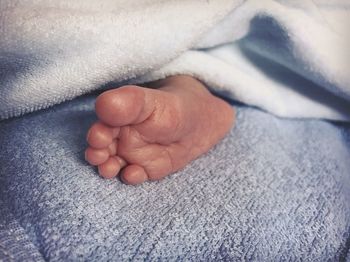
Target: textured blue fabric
{"points": [[272, 190], [14, 242]]}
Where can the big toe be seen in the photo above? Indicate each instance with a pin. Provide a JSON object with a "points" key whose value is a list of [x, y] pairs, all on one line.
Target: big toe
{"points": [[121, 106]]}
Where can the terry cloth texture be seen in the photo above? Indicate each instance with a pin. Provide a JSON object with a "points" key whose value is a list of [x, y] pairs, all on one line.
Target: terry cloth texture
{"points": [[287, 57], [272, 190], [15, 245]]}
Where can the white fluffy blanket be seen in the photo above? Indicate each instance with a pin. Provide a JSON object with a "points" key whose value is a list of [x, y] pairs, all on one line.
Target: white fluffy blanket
{"points": [[291, 58]]}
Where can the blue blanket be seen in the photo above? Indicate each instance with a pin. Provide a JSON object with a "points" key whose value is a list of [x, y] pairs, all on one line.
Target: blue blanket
{"points": [[272, 190]]}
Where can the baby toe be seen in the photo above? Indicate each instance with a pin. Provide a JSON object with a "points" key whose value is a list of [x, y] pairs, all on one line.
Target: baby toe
{"points": [[100, 136], [110, 168], [134, 175], [96, 156]]}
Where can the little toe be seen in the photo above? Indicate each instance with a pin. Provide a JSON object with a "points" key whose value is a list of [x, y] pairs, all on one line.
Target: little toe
{"points": [[134, 175], [96, 156], [110, 168]]}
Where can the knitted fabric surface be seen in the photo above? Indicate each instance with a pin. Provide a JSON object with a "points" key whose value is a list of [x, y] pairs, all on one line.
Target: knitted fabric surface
{"points": [[272, 190], [288, 57]]}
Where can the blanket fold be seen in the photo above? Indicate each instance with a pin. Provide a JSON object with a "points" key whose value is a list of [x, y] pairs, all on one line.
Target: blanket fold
{"points": [[287, 57]]}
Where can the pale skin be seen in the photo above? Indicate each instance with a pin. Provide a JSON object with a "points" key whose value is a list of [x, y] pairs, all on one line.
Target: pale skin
{"points": [[148, 133]]}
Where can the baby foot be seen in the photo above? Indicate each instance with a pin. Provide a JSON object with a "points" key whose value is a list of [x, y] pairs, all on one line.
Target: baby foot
{"points": [[148, 134]]}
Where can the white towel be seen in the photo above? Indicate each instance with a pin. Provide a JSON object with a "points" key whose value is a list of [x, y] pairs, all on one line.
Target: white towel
{"points": [[290, 58]]}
